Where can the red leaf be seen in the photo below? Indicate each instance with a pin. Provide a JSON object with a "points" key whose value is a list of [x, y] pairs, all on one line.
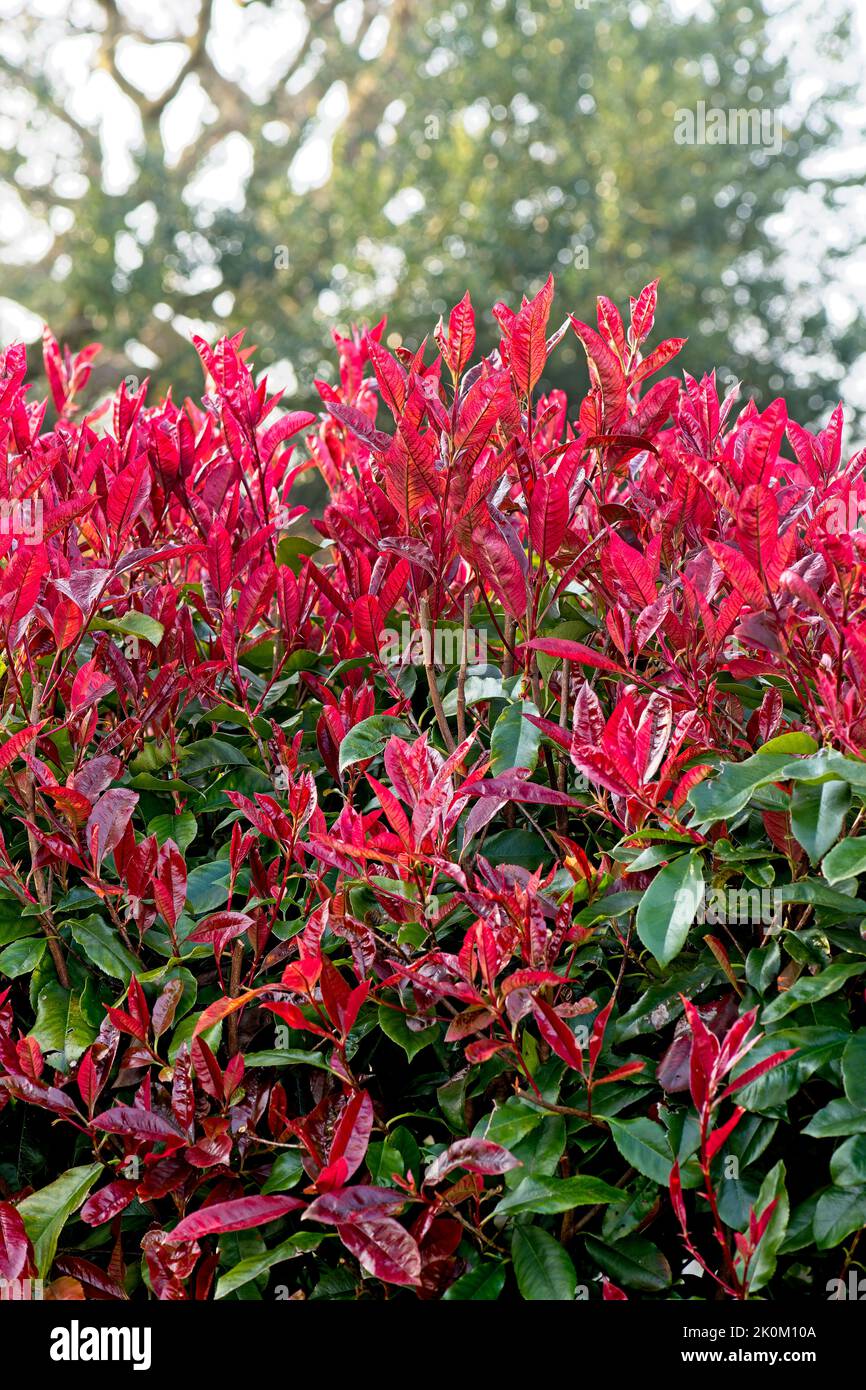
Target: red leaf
{"points": [[13, 746], [21, 582], [384, 1248], [101, 1206], [127, 496], [352, 1134], [575, 651], [643, 311], [528, 345], [255, 597], [89, 687], [142, 1124], [354, 1203], [169, 883], [657, 359], [222, 927], [557, 1034], [739, 573], [758, 527], [718, 1136], [510, 786], [219, 561], [220, 1008], [764, 442], [605, 373], [461, 335], [757, 1070], [108, 820], [611, 1293], [475, 1155], [548, 515], [237, 1215], [15, 1248], [368, 622]]}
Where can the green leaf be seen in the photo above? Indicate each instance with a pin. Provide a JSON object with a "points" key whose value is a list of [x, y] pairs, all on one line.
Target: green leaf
{"points": [[792, 742], [634, 1262], [394, 1025], [208, 753], [451, 1096], [286, 1057], [667, 908], [854, 1069], [66, 1022], [848, 1163], [543, 1270], [182, 829], [845, 860], [183, 1034], [826, 763], [102, 945], [521, 847], [644, 1144], [547, 1196], [818, 815], [838, 1118], [799, 1234], [483, 1284], [840, 1212], [46, 1212], [810, 990], [133, 624], [514, 741], [812, 890], [482, 684], [286, 1172], [367, 739], [762, 966], [614, 905], [540, 1152], [634, 1208], [255, 1265], [662, 1003], [207, 887], [726, 795], [511, 1122], [292, 549], [383, 1160], [763, 1264], [14, 930], [22, 957]]}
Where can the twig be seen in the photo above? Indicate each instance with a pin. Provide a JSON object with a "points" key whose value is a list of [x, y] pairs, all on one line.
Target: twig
{"points": [[562, 811]]}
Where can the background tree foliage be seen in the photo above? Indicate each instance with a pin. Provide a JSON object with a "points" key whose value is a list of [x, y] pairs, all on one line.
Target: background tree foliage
{"points": [[487, 141]]}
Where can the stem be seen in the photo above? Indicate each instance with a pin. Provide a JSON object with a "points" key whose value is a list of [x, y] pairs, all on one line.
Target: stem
{"points": [[562, 771], [234, 990], [461, 677], [46, 917], [430, 672]]}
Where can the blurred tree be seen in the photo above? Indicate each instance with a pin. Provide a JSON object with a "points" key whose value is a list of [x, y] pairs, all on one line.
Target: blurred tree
{"points": [[289, 167]]}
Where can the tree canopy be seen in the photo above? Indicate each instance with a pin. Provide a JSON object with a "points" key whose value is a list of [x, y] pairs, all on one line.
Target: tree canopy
{"points": [[290, 167]]}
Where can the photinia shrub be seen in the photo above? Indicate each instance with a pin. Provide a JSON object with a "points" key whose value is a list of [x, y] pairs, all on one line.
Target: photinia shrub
{"points": [[453, 896]]}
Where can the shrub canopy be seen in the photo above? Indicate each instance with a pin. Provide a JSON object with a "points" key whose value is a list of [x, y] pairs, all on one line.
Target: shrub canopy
{"points": [[340, 958]]}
